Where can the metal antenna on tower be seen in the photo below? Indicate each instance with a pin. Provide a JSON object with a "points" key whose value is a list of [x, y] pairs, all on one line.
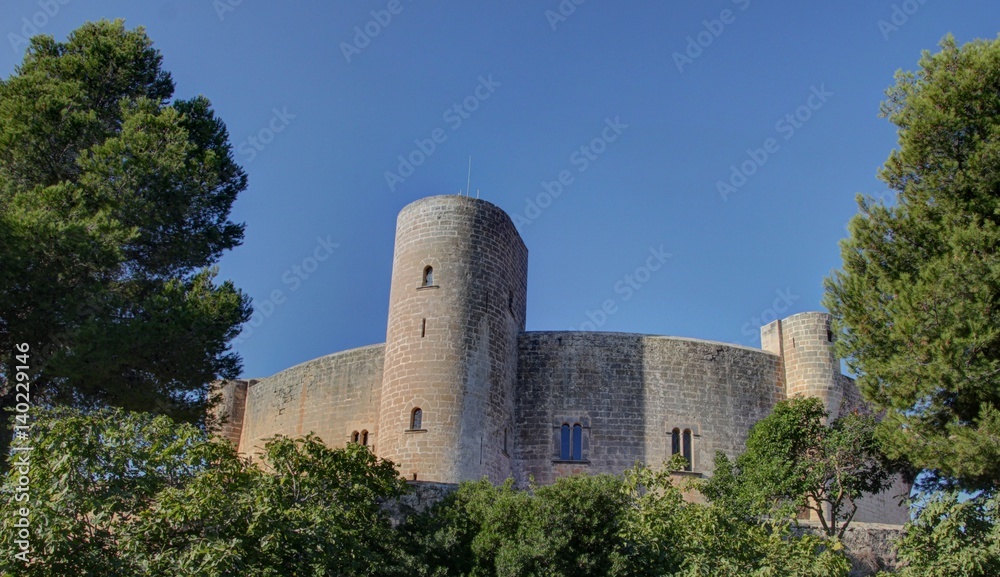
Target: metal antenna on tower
{"points": [[468, 182]]}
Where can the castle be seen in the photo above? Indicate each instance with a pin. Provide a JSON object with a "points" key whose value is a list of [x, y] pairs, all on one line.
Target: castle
{"points": [[461, 391]]}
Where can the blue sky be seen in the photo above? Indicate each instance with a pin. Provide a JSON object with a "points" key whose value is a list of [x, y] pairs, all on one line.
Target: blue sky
{"points": [[641, 108]]}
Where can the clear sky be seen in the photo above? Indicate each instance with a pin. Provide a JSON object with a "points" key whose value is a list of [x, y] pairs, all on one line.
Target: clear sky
{"points": [[642, 108]]}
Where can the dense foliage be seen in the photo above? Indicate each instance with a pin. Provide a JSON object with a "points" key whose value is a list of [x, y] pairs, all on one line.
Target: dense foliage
{"points": [[794, 460], [570, 528], [917, 303], [667, 535], [634, 525], [114, 204], [118, 493], [950, 536]]}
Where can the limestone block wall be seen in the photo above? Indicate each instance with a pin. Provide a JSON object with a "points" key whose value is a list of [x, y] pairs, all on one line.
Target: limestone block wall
{"points": [[331, 396], [629, 391], [451, 342]]}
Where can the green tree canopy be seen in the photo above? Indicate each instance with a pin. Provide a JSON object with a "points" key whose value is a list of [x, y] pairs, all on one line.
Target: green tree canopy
{"points": [[122, 493], [952, 536], [119, 493], [917, 303], [668, 535], [794, 460], [114, 205], [638, 524], [572, 527]]}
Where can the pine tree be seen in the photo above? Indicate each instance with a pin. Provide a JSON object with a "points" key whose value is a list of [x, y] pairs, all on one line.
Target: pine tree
{"points": [[114, 206]]}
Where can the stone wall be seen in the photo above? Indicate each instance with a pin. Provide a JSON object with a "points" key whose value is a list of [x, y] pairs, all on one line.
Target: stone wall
{"points": [[870, 547], [332, 396], [629, 392]]}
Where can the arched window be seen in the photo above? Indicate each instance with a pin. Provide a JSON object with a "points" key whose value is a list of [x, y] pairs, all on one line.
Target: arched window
{"points": [[681, 444], [416, 419], [687, 449], [428, 276], [364, 438], [571, 442], [354, 437]]}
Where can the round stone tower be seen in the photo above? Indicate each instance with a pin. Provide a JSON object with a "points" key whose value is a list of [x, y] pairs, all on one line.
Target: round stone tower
{"points": [[456, 307], [805, 343]]}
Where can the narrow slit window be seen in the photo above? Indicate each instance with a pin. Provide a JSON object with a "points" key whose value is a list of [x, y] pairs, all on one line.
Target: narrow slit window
{"points": [[428, 276], [416, 419], [564, 448], [687, 449], [675, 442], [364, 438], [355, 436], [577, 443], [423, 328]]}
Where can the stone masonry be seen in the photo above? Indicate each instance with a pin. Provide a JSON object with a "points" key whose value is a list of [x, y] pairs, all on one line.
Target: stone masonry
{"points": [[460, 391]]}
